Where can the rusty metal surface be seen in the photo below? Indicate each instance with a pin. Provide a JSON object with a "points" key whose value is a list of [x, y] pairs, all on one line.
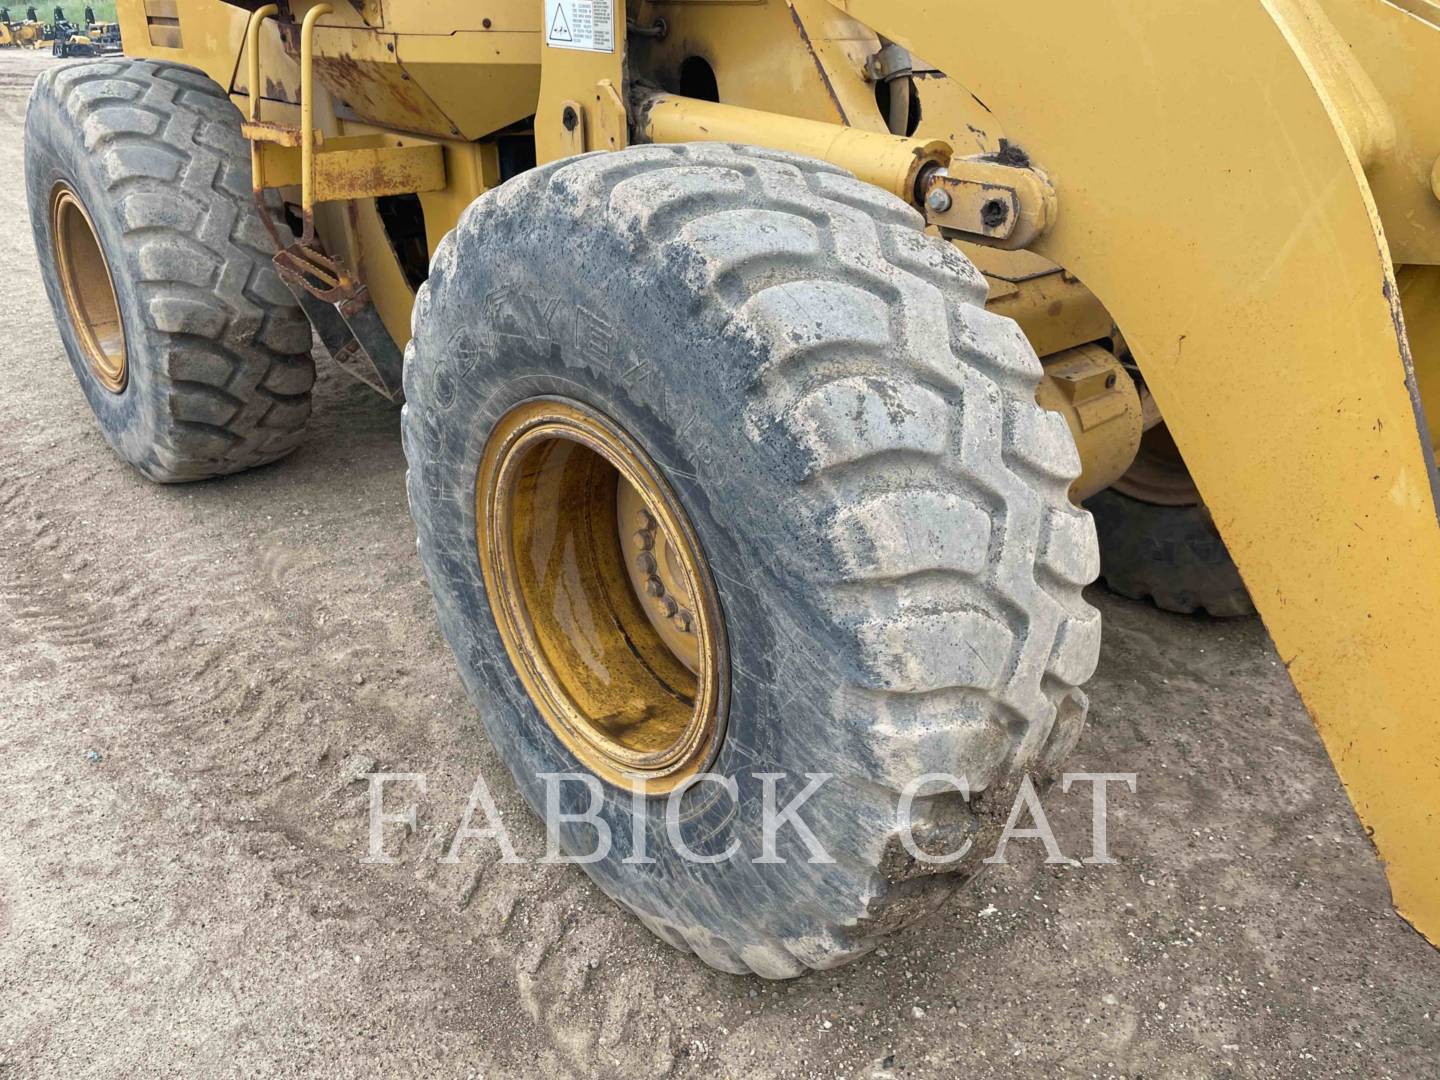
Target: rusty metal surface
{"points": [[358, 167]]}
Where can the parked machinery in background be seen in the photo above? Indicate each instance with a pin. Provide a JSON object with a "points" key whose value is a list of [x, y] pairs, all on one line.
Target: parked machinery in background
{"points": [[104, 36], [67, 39], [24, 34]]}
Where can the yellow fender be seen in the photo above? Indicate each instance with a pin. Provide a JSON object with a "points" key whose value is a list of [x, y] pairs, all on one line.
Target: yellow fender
{"points": [[1211, 197]]}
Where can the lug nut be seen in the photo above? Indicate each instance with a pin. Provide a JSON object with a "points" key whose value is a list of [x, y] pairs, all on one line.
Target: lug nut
{"points": [[668, 606], [683, 621], [645, 539], [646, 562], [655, 587]]}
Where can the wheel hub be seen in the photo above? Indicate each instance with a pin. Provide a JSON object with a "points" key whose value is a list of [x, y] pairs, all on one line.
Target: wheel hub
{"points": [[1158, 475], [601, 594], [657, 574]]}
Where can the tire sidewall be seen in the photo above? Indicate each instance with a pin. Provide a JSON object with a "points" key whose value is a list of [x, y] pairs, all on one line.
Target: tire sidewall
{"points": [[488, 339], [55, 153]]}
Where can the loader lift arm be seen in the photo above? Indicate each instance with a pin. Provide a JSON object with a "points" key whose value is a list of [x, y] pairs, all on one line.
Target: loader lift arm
{"points": [[1211, 196]]}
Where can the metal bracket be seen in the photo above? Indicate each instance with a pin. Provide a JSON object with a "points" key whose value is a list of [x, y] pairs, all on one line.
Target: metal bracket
{"points": [[1101, 404], [572, 123], [356, 339], [611, 126], [891, 62], [613, 123], [989, 202], [348, 167]]}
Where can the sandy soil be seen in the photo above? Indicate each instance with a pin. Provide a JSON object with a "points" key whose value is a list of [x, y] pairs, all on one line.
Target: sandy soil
{"points": [[191, 677]]}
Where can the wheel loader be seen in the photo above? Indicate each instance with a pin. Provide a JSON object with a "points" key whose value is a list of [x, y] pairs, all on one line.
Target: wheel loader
{"points": [[68, 39], [102, 37], [758, 359], [25, 33]]}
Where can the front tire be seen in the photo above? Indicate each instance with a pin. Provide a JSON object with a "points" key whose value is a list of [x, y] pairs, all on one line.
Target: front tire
{"points": [[880, 503], [192, 353]]}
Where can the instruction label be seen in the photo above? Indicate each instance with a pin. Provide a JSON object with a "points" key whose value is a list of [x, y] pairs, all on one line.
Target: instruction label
{"points": [[588, 25]]}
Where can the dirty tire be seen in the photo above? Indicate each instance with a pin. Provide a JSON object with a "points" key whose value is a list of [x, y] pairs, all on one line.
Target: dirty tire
{"points": [[1170, 555], [218, 350], [882, 503]]}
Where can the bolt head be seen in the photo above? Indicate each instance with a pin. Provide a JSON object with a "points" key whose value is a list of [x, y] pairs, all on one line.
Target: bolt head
{"points": [[939, 200]]}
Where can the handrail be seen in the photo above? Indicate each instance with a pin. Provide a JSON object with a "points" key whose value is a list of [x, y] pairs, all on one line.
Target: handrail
{"points": [[307, 107], [307, 133], [252, 45]]}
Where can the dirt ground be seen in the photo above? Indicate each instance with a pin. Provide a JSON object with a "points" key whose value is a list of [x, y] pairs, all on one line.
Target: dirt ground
{"points": [[191, 678]]}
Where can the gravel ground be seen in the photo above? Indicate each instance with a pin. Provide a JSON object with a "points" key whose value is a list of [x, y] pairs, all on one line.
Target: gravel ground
{"points": [[192, 677]]}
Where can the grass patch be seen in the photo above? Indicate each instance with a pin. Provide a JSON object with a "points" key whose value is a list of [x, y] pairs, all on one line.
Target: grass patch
{"points": [[103, 12]]}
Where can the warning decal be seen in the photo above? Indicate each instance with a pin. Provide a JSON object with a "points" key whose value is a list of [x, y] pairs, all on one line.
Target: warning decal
{"points": [[560, 26], [580, 24]]}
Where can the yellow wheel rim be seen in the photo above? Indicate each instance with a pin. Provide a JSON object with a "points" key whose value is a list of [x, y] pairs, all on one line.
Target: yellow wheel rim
{"points": [[89, 291], [601, 594]]}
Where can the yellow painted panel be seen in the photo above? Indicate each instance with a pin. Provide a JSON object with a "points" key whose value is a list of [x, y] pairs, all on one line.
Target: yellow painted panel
{"points": [[1401, 52], [759, 55], [481, 81], [212, 34], [359, 166], [572, 76], [1420, 300]]}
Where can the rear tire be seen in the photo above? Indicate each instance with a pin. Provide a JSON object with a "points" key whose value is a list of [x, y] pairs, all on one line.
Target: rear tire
{"points": [[1170, 555], [216, 371], [881, 502]]}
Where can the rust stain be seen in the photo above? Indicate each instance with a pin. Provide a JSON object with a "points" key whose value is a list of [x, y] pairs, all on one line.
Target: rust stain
{"points": [[382, 93]]}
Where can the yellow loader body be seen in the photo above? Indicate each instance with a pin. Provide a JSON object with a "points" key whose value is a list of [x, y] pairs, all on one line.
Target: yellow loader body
{"points": [[17, 35], [1247, 189]]}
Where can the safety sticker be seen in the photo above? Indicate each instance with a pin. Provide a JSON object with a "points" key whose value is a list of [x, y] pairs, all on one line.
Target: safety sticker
{"points": [[580, 24]]}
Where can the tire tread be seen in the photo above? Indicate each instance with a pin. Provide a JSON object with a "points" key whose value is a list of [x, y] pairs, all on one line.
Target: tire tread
{"points": [[168, 139], [966, 644]]}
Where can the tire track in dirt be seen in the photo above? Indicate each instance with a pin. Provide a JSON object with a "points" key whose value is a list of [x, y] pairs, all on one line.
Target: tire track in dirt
{"points": [[256, 649], [231, 721], [14, 94]]}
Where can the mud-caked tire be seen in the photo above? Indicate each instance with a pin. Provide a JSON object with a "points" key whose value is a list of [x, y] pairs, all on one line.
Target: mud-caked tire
{"points": [[880, 501], [149, 158]]}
